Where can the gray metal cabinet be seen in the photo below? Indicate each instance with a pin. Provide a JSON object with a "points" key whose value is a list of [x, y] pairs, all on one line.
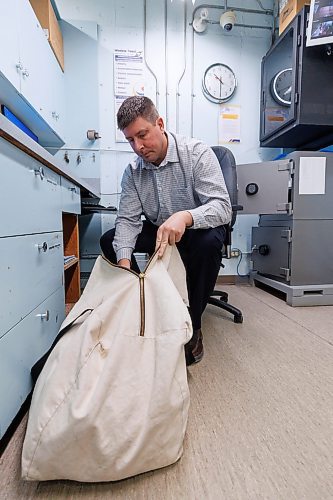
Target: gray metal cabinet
{"points": [[292, 249]]}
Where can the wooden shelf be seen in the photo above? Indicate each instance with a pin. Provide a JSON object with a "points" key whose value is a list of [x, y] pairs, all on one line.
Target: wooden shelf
{"points": [[71, 263], [71, 247], [69, 307]]}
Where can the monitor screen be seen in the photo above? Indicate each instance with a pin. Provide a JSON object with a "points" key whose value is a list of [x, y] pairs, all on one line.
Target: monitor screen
{"points": [[320, 27], [8, 114]]}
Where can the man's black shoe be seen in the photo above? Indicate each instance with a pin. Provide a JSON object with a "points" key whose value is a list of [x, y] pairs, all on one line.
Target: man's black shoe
{"points": [[194, 348]]}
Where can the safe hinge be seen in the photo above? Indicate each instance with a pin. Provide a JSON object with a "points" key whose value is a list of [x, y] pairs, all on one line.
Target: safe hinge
{"points": [[286, 233], [299, 40], [285, 165], [285, 207], [284, 271], [296, 97]]}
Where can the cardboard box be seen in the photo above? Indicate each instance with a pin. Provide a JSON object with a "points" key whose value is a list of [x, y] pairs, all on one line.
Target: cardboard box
{"points": [[288, 11], [48, 21]]}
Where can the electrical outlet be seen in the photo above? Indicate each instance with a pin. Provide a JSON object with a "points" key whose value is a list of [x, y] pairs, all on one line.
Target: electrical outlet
{"points": [[235, 252]]}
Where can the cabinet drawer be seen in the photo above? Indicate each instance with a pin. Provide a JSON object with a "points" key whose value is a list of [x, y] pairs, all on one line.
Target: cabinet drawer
{"points": [[70, 197], [31, 268], [30, 200], [20, 348]]}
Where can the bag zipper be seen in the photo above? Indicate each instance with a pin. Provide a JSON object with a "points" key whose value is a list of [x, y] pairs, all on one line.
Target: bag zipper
{"points": [[142, 303], [141, 277]]}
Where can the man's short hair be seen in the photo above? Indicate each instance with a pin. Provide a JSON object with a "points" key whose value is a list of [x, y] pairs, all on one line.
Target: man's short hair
{"points": [[135, 107]]}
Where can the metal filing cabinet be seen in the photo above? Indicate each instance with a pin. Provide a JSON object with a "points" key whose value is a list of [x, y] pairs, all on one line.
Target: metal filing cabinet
{"points": [[31, 268], [292, 248], [21, 347]]}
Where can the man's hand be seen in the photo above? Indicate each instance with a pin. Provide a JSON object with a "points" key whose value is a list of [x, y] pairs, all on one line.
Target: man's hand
{"points": [[172, 230], [124, 263]]}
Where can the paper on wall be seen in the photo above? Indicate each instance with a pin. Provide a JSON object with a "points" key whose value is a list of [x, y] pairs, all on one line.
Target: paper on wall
{"points": [[312, 175], [128, 79], [229, 124]]}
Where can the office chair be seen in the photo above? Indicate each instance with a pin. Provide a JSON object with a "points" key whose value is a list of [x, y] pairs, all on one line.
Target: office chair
{"points": [[228, 165]]}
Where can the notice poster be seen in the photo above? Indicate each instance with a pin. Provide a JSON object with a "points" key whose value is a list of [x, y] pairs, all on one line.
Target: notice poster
{"points": [[229, 124], [128, 78]]}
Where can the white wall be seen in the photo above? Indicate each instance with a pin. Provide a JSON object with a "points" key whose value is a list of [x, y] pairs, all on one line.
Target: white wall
{"points": [[93, 30]]}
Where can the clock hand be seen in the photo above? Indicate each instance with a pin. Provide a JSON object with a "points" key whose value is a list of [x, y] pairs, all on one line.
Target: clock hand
{"points": [[287, 91], [219, 79]]}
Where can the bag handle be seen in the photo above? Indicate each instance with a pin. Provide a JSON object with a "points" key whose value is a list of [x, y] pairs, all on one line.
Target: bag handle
{"points": [[65, 328], [39, 365]]}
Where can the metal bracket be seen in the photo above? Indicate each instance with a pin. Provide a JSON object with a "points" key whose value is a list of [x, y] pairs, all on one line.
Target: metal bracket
{"points": [[286, 165], [284, 271], [286, 233], [285, 207]]}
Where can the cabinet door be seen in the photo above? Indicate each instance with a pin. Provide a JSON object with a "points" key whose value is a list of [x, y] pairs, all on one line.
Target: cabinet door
{"points": [[20, 348], [279, 84], [56, 84], [31, 268], [9, 43], [271, 251], [263, 188], [35, 53]]}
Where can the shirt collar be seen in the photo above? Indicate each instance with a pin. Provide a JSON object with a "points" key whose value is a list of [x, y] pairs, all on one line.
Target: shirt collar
{"points": [[170, 157]]}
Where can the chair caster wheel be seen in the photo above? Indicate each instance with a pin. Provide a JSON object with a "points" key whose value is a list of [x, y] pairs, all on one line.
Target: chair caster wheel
{"points": [[238, 318]]}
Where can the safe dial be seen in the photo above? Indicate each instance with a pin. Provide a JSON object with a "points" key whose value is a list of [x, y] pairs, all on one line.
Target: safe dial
{"points": [[252, 188], [264, 249]]}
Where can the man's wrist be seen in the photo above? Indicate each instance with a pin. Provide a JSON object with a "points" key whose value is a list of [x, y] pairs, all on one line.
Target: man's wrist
{"points": [[188, 219], [124, 263]]}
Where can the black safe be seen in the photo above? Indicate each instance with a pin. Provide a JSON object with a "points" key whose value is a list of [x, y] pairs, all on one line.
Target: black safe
{"points": [[296, 109]]}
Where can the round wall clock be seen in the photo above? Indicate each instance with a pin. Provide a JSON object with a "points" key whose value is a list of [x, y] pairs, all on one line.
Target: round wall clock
{"points": [[219, 83], [281, 86]]}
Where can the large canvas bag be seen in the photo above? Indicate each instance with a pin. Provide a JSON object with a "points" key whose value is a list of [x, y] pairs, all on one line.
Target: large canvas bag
{"points": [[112, 400]]}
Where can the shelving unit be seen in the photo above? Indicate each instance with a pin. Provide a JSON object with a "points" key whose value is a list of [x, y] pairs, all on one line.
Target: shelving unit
{"points": [[72, 267]]}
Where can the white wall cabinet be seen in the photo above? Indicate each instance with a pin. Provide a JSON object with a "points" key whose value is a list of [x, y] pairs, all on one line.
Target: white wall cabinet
{"points": [[9, 43], [29, 64]]}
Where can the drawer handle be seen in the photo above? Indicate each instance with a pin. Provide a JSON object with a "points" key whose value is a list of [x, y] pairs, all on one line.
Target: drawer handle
{"points": [[38, 171], [44, 316], [42, 246], [73, 189]]}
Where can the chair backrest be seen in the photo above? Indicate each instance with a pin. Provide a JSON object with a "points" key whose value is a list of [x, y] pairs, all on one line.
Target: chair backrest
{"points": [[228, 165]]}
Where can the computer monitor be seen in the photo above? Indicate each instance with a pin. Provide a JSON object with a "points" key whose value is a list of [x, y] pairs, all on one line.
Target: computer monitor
{"points": [[320, 27], [13, 118]]}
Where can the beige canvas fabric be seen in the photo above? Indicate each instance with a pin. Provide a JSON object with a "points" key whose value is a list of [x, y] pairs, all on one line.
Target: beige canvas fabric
{"points": [[112, 400]]}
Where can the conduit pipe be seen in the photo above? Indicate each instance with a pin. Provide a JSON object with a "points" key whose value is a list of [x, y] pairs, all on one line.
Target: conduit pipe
{"points": [[157, 92], [166, 62], [183, 73]]}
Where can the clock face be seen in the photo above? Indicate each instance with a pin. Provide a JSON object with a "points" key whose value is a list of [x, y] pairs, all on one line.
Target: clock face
{"points": [[219, 83], [281, 86]]}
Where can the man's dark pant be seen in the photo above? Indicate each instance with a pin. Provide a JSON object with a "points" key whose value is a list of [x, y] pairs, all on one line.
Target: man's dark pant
{"points": [[201, 252]]}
